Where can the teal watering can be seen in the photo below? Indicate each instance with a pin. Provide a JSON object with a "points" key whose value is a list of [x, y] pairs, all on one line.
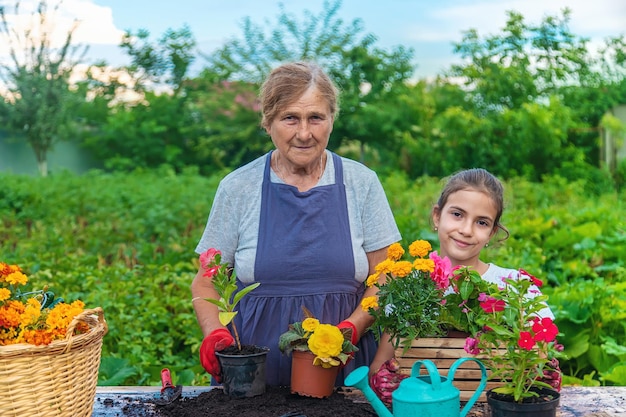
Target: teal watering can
{"points": [[429, 395]]}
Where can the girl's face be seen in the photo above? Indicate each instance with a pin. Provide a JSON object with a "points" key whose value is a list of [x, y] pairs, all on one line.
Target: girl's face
{"points": [[465, 224]]}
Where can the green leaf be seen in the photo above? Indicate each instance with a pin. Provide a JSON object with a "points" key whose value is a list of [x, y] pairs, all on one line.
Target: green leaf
{"points": [[221, 304], [114, 371], [244, 291], [226, 317], [616, 375]]}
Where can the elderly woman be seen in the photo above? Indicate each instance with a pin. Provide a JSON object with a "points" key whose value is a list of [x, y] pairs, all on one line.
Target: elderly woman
{"points": [[310, 226]]}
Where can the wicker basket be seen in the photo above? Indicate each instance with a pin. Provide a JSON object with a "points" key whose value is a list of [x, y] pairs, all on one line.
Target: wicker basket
{"points": [[444, 351], [55, 380]]}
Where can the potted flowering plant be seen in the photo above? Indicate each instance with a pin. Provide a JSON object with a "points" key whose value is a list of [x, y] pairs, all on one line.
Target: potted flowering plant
{"points": [[243, 367], [224, 281], [410, 302], [517, 344], [318, 351]]}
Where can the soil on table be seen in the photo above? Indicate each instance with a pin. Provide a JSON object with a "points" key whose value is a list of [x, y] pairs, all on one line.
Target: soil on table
{"points": [[276, 402]]}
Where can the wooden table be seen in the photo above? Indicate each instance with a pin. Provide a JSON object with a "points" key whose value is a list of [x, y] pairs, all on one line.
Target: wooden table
{"points": [[575, 401]]}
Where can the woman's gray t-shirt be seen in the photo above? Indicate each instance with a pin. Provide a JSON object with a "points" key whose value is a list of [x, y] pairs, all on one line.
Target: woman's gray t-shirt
{"points": [[233, 222]]}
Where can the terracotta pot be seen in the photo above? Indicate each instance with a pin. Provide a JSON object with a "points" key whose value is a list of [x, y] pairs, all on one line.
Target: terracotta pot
{"points": [[500, 407], [311, 380]]}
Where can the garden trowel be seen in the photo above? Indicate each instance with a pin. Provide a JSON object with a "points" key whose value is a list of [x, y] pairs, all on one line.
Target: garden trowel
{"points": [[169, 392]]}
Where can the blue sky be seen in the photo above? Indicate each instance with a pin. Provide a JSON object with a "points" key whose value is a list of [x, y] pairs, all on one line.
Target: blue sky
{"points": [[428, 26]]}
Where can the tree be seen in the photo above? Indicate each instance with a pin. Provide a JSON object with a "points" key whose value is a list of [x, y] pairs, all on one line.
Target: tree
{"points": [[153, 128], [517, 84], [37, 79], [521, 64], [165, 62]]}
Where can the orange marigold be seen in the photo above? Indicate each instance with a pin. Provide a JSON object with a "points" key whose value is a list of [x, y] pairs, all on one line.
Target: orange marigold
{"points": [[395, 251], [369, 302], [22, 316], [384, 267], [372, 279], [401, 268], [427, 265], [420, 248]]}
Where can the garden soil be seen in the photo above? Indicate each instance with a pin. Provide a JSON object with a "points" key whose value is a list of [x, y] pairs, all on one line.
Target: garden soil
{"points": [[276, 402]]}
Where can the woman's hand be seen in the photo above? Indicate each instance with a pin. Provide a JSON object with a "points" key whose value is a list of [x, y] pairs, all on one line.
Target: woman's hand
{"points": [[218, 339]]}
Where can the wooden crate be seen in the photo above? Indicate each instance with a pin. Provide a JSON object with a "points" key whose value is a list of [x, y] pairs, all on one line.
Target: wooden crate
{"points": [[443, 352]]}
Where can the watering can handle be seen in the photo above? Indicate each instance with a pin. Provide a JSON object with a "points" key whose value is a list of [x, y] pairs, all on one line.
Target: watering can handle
{"points": [[481, 386], [435, 379]]}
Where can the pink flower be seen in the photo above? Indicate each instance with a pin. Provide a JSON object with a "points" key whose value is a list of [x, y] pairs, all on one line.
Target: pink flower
{"points": [[491, 305], [471, 346], [207, 257], [211, 272], [443, 270], [545, 330], [526, 340]]}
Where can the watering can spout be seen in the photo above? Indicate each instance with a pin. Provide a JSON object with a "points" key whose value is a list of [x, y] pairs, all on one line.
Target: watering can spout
{"points": [[359, 379]]}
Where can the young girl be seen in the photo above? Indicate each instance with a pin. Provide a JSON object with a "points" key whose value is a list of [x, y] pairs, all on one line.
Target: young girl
{"points": [[466, 218]]}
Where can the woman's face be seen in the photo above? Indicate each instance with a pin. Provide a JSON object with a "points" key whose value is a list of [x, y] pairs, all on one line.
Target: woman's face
{"points": [[302, 129], [465, 224]]}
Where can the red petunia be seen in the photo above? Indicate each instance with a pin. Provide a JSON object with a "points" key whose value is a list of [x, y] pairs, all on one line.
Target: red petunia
{"points": [[545, 330], [526, 340], [534, 279], [211, 272]]}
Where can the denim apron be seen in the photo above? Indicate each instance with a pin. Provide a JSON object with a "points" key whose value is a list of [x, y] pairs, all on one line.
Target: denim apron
{"points": [[304, 258]]}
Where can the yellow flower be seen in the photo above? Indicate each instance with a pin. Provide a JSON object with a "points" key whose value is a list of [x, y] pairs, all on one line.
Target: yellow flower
{"points": [[22, 318], [384, 267], [310, 324], [326, 341], [420, 248], [372, 279], [17, 277], [427, 265], [369, 302], [395, 251], [326, 362], [401, 268]]}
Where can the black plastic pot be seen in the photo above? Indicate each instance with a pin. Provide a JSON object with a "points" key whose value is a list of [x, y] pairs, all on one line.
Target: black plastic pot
{"points": [[243, 375], [503, 406]]}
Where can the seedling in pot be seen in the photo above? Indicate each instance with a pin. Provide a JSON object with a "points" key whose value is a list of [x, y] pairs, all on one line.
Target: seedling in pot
{"points": [[224, 281]]}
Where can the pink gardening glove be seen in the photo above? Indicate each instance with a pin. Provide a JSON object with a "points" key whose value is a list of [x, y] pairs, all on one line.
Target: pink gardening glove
{"points": [[552, 374], [218, 339], [385, 381]]}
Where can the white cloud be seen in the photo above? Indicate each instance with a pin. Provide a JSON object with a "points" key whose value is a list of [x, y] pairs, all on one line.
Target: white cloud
{"points": [[95, 24], [599, 18]]}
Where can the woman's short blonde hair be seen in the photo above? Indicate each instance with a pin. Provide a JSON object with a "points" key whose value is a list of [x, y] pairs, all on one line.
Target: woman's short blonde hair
{"points": [[288, 82]]}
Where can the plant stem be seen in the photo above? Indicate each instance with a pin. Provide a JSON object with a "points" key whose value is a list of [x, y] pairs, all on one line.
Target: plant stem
{"points": [[236, 335]]}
